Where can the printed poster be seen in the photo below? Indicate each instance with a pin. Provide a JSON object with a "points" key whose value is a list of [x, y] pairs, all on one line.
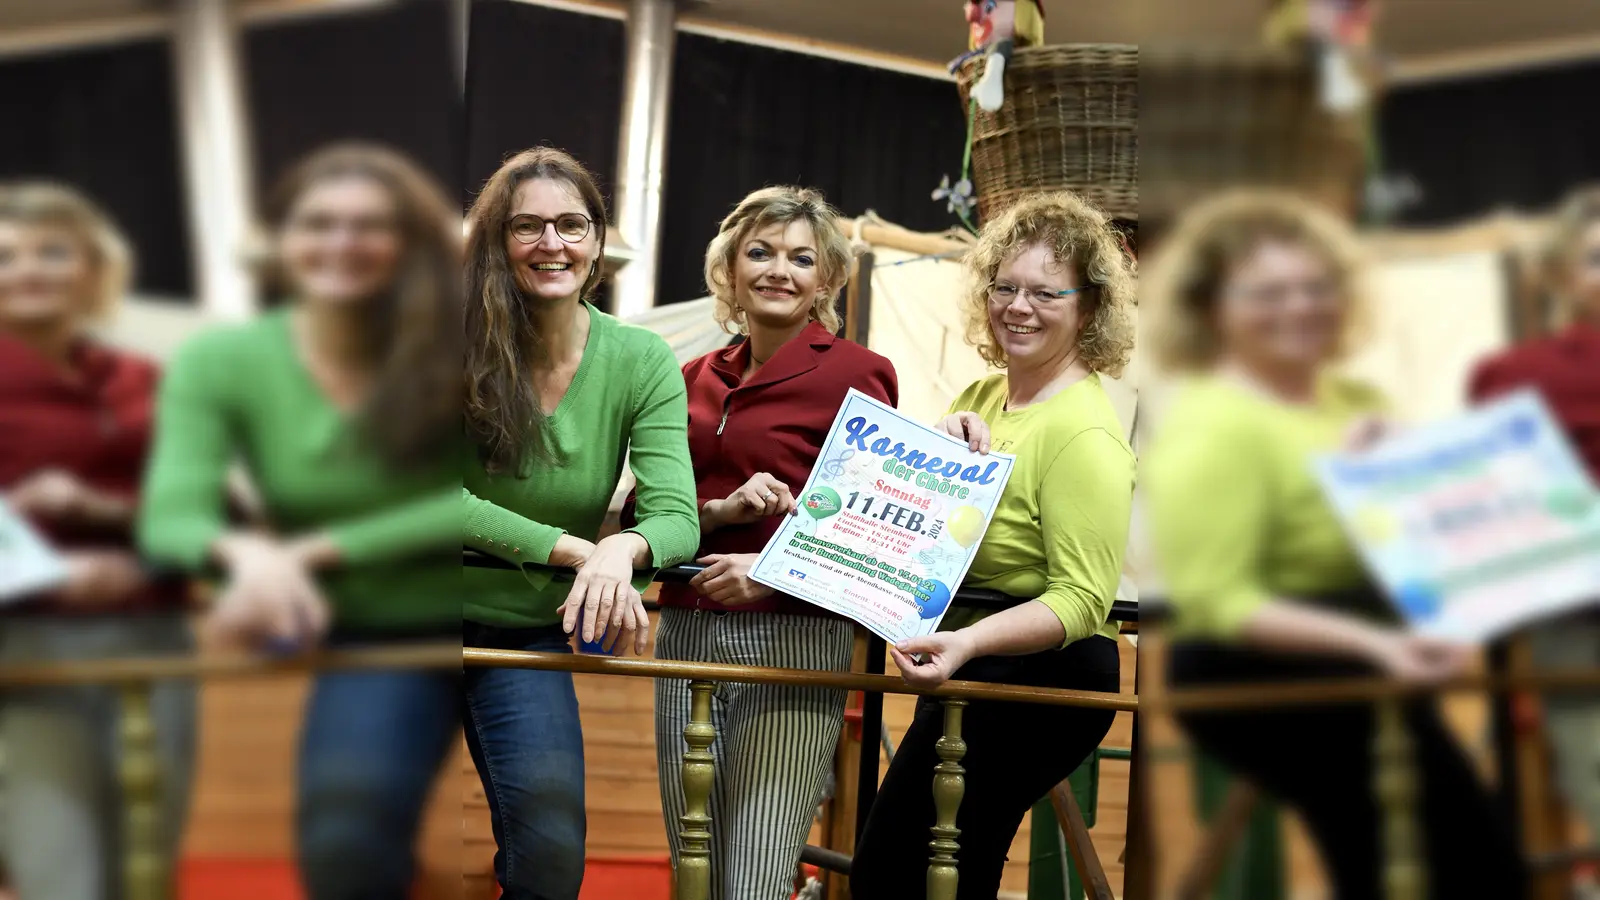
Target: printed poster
{"points": [[888, 522], [1476, 525], [27, 564]]}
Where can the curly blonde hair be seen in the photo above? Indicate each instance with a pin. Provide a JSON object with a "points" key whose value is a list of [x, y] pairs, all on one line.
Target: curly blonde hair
{"points": [[1080, 236], [779, 206], [37, 203], [1579, 212], [1211, 240]]}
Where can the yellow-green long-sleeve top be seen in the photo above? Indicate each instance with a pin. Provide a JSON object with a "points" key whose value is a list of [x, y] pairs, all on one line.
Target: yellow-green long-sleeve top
{"points": [[626, 401], [1060, 530], [241, 393], [1237, 516]]}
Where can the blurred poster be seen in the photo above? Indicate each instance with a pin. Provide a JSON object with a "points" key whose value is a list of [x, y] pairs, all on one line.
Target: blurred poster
{"points": [[1475, 525], [888, 522], [27, 564]]}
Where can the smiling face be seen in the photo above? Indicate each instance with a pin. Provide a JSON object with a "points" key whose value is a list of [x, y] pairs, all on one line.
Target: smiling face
{"points": [[1281, 309], [776, 277], [551, 264], [47, 276], [1032, 332], [340, 243]]}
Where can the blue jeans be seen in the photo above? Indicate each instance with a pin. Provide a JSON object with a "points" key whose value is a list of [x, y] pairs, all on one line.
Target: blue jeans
{"points": [[523, 731], [372, 744]]}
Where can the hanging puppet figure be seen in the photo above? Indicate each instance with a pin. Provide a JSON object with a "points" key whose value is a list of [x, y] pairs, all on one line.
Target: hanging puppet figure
{"points": [[995, 28], [1339, 33]]}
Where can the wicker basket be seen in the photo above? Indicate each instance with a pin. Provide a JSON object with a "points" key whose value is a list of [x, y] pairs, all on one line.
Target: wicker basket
{"points": [[1070, 122], [1216, 118]]}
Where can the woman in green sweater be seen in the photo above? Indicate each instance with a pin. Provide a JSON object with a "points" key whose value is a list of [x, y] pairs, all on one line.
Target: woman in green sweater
{"points": [[1051, 302], [342, 407], [559, 394], [1255, 299]]}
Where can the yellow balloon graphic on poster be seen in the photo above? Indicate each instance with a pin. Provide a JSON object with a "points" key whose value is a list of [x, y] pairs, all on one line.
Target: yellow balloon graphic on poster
{"points": [[965, 525], [1375, 525]]}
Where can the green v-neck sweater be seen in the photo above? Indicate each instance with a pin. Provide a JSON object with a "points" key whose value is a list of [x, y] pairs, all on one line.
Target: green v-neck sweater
{"points": [[627, 405], [241, 394]]}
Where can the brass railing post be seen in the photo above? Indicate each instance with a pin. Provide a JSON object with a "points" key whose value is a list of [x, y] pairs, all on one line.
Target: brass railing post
{"points": [[949, 785], [694, 863], [144, 865], [1395, 774]]}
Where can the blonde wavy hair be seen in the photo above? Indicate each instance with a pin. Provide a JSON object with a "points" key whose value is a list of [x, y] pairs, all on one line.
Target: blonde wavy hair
{"points": [[1578, 213], [42, 203], [1215, 237], [1080, 236], [779, 206]]}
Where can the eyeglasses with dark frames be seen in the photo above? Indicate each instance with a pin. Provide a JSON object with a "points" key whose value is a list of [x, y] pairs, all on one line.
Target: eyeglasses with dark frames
{"points": [[570, 227]]}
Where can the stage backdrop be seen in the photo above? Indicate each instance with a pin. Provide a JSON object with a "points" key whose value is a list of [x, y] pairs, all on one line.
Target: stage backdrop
{"points": [[742, 117]]}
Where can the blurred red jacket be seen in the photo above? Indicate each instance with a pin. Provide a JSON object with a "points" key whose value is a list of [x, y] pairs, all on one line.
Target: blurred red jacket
{"points": [[1565, 369], [92, 420]]}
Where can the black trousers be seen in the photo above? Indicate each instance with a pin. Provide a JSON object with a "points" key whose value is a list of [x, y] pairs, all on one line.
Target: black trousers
{"points": [[1016, 752], [1318, 760]]}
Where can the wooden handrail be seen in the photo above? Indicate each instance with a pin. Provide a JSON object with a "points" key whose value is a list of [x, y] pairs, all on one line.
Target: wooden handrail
{"points": [[419, 655], [1363, 689], [850, 681]]}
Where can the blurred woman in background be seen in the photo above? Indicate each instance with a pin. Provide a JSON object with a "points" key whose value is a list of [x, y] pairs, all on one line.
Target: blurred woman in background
{"points": [[1256, 297], [1564, 367], [559, 394], [75, 422], [342, 406], [1051, 302], [759, 412]]}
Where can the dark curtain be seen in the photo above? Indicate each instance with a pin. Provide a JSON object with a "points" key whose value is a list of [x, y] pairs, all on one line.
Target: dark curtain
{"points": [[742, 117], [387, 76], [539, 76], [104, 121], [1508, 141]]}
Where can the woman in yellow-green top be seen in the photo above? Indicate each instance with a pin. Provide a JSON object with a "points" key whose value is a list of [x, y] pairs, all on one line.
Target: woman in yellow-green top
{"points": [[1255, 298], [1051, 304]]}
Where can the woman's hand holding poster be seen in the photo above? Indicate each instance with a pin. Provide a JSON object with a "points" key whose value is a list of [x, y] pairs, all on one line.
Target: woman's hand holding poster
{"points": [[1477, 525], [888, 522]]}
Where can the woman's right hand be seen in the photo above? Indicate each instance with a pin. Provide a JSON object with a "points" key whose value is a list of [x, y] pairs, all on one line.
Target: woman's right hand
{"points": [[761, 496], [1417, 659], [270, 596], [966, 426]]}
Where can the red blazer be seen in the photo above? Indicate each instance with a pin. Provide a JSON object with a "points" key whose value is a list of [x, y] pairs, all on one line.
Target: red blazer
{"points": [[775, 423], [93, 421], [1565, 369]]}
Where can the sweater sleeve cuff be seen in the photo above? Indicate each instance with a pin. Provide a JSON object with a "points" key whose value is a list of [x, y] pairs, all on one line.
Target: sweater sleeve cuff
{"points": [[499, 532], [672, 540]]}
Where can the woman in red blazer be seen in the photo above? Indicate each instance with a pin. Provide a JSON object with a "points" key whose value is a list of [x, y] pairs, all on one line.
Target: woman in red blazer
{"points": [[1564, 368], [759, 412], [75, 419]]}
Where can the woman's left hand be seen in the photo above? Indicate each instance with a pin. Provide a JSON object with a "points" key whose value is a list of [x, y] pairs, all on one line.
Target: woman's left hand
{"points": [[604, 597], [1368, 432], [726, 579], [947, 652], [969, 427]]}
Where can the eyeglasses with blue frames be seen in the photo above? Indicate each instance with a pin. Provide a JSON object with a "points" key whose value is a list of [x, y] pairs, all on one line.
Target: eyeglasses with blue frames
{"points": [[570, 227], [1003, 293]]}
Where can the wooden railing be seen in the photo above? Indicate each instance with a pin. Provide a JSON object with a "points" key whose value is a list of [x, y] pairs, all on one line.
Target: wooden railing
{"points": [[694, 867]]}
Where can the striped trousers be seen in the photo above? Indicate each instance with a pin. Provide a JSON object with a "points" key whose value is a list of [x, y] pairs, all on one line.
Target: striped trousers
{"points": [[774, 746]]}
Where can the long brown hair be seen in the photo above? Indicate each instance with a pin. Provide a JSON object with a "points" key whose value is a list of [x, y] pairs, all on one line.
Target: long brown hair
{"points": [[412, 414], [503, 346]]}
